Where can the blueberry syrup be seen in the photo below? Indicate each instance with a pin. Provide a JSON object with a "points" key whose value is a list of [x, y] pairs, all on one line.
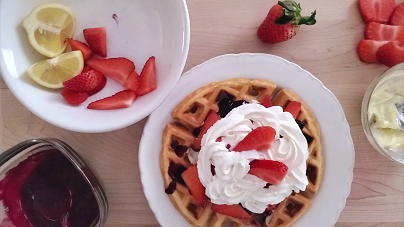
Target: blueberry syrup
{"points": [[227, 103], [175, 172], [180, 150], [308, 138], [47, 190], [301, 124]]}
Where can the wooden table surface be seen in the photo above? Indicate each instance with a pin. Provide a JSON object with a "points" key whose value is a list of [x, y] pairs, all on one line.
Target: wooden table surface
{"points": [[327, 50]]}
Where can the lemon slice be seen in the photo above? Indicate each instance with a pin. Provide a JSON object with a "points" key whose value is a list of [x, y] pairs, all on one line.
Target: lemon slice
{"points": [[53, 72], [48, 26]]}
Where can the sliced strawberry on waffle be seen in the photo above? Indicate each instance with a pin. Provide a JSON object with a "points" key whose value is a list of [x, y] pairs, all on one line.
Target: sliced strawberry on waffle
{"points": [[97, 40], [293, 107], [84, 48], [212, 118], [266, 102], [235, 211], [120, 100], [195, 186], [148, 78], [258, 139], [270, 171], [117, 69]]}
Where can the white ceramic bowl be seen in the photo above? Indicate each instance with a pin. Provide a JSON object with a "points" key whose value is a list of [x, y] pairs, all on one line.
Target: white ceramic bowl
{"points": [[338, 149], [144, 28]]}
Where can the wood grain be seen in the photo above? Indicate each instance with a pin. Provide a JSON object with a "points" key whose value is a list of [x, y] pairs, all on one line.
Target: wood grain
{"points": [[327, 49]]}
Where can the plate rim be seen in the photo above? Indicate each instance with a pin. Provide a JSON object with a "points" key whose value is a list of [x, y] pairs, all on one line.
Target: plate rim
{"points": [[189, 73], [19, 96]]}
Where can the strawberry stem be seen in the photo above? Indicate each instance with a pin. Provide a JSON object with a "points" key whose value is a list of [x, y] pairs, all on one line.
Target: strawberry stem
{"points": [[291, 12]]}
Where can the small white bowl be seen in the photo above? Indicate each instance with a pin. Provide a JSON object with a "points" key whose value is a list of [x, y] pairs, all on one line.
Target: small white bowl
{"points": [[143, 28]]}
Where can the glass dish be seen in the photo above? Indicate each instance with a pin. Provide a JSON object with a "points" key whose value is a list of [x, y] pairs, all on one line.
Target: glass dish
{"points": [[396, 156], [61, 197]]}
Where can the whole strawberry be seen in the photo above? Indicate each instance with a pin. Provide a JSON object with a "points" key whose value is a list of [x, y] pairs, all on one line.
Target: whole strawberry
{"points": [[283, 22]]}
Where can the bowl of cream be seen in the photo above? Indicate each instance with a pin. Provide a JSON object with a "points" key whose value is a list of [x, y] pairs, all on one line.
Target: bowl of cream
{"points": [[383, 113]]}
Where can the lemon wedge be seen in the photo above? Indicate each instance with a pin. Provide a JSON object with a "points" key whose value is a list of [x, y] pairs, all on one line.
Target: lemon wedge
{"points": [[48, 26], [53, 72]]}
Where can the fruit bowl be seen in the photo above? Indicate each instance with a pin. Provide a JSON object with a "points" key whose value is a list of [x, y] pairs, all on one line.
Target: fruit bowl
{"points": [[135, 30]]}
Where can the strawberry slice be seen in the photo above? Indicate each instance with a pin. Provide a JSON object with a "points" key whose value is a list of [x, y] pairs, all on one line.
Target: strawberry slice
{"points": [[84, 48], [390, 54], [212, 118], [383, 32], [270, 171], [74, 97], [97, 40], [99, 87], [85, 81], [398, 16], [376, 10], [367, 50], [235, 211], [259, 139], [148, 77], [117, 69], [293, 107], [86, 68], [120, 100], [133, 82], [266, 102], [195, 186]]}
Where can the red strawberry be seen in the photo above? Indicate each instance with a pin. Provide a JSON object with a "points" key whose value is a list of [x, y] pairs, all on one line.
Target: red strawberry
{"points": [[195, 186], [86, 68], [376, 10], [132, 82], [85, 81], [266, 102], [283, 22], [390, 54], [367, 50], [118, 69], [99, 87], [84, 48], [383, 32], [210, 120], [235, 211], [120, 100], [258, 139], [74, 97], [398, 16], [293, 107], [148, 77], [270, 171], [97, 40]]}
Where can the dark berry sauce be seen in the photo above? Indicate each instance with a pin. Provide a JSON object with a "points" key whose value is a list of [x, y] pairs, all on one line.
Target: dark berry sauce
{"points": [[301, 124], [47, 190], [227, 103], [180, 150]]}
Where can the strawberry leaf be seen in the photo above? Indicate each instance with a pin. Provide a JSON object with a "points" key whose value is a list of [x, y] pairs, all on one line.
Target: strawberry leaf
{"points": [[291, 12]]}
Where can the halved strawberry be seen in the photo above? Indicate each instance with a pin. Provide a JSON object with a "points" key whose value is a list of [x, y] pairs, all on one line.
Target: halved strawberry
{"points": [[293, 107], [367, 50], [376, 10], [120, 100], [148, 77], [132, 82], [86, 68], [211, 119], [195, 186], [84, 48], [383, 32], [259, 139], [117, 69], [270, 171], [85, 81], [74, 97], [390, 54], [99, 87], [235, 211], [266, 102], [97, 40], [398, 16]]}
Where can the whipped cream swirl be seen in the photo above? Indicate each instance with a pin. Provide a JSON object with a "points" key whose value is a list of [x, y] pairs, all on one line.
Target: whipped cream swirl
{"points": [[232, 184]]}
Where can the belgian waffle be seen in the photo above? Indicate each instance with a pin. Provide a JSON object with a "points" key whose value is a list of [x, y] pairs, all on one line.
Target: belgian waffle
{"points": [[190, 114]]}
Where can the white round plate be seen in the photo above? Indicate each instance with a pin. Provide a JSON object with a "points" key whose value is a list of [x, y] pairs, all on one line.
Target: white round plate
{"points": [[143, 28], [337, 143]]}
